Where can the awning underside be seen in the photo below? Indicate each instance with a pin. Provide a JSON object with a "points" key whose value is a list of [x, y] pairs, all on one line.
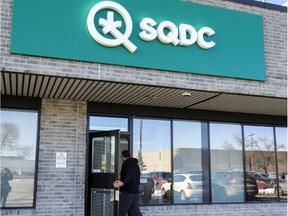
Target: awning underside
{"points": [[44, 86]]}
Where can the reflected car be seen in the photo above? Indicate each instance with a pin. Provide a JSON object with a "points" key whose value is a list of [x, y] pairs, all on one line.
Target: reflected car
{"points": [[263, 182], [282, 187], [251, 187], [159, 178], [146, 188], [227, 184], [186, 186], [272, 175]]}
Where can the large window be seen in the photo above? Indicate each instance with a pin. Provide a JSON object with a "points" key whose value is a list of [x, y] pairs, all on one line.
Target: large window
{"points": [[227, 176], [272, 4], [276, 2], [187, 162], [18, 156], [281, 145], [152, 148], [102, 123], [260, 159], [184, 162]]}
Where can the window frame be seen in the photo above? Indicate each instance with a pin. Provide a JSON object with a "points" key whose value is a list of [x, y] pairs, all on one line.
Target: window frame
{"points": [[205, 117], [260, 4], [15, 103]]}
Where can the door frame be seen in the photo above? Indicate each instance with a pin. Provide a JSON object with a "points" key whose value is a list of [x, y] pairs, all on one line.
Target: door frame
{"points": [[90, 176]]}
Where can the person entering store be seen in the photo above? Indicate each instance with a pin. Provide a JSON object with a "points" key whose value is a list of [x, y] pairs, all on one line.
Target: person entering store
{"points": [[129, 186]]}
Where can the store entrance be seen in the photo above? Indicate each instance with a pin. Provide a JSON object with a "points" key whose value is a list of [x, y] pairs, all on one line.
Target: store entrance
{"points": [[104, 167]]}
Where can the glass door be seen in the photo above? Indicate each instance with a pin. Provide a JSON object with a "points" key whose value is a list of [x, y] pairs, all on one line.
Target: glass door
{"points": [[103, 170]]}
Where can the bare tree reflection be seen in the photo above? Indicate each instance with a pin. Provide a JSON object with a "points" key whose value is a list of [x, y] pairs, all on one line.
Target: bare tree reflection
{"points": [[10, 134], [262, 149]]}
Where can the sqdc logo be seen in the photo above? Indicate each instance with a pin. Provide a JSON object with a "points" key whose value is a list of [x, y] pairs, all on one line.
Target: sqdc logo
{"points": [[111, 26], [148, 27]]}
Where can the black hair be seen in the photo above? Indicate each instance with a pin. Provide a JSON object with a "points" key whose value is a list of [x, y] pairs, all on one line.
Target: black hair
{"points": [[125, 153]]}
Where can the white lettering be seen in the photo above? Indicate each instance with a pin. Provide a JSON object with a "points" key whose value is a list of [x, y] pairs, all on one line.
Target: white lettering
{"points": [[183, 30], [172, 36], [188, 35], [148, 33], [201, 42], [167, 32], [111, 26]]}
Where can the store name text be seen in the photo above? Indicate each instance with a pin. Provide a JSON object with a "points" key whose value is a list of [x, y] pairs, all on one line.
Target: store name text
{"points": [[166, 31]]}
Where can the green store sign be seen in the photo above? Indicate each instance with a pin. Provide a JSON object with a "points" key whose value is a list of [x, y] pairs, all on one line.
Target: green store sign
{"points": [[173, 35]]}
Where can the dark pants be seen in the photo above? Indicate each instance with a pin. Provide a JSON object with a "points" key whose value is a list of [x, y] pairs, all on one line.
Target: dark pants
{"points": [[129, 203], [5, 189]]}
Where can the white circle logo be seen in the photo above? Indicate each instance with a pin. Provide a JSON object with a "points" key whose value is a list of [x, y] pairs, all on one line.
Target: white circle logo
{"points": [[111, 26]]}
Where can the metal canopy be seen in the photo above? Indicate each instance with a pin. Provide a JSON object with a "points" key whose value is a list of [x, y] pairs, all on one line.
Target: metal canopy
{"points": [[44, 86]]}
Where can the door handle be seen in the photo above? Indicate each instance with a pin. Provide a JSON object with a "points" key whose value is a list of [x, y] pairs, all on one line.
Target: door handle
{"points": [[117, 195]]}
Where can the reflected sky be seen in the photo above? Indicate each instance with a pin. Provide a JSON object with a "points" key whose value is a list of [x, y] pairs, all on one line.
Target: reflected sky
{"points": [[221, 134], [278, 2], [108, 123], [27, 123], [187, 134], [155, 134], [281, 136]]}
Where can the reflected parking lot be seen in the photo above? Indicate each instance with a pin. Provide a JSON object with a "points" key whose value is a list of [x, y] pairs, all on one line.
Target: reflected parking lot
{"points": [[265, 195], [21, 193]]}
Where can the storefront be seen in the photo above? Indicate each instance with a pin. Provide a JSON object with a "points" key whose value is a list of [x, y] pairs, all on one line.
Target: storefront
{"points": [[196, 91]]}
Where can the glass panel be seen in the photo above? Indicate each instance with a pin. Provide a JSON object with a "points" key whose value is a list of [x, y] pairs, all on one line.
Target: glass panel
{"points": [[124, 145], [103, 158], [151, 146], [108, 123], [18, 154], [276, 2], [187, 158], [281, 144], [260, 159], [227, 174], [102, 202]]}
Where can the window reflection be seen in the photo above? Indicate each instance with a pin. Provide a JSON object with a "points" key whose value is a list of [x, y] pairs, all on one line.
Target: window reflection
{"points": [[227, 174], [108, 123], [260, 159], [187, 162], [276, 2], [281, 145], [229, 182], [18, 152], [103, 158], [151, 146]]}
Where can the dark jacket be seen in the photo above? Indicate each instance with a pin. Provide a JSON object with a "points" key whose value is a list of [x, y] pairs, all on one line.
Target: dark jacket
{"points": [[6, 176], [130, 176]]}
